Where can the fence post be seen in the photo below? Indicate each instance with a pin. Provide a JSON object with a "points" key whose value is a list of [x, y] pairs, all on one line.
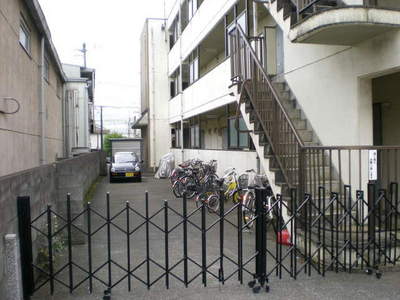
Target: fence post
{"points": [[25, 242], [371, 222], [261, 236]]}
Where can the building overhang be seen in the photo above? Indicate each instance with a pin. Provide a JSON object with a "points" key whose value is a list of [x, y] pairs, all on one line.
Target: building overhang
{"points": [[345, 25], [143, 121]]}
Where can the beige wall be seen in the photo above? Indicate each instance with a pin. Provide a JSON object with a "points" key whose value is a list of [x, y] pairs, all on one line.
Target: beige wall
{"points": [[333, 83], [19, 78]]}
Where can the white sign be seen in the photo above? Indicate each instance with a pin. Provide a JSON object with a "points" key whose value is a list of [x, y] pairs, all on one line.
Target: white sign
{"points": [[373, 164]]}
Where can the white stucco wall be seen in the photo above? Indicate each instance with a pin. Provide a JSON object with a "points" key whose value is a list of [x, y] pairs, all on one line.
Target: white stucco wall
{"points": [[241, 160], [207, 16], [159, 130], [208, 93], [79, 131], [332, 83], [175, 108]]}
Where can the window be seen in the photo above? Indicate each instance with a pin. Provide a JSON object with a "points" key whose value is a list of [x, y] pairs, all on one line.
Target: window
{"points": [[174, 32], [194, 66], [192, 8], [241, 20], [24, 36], [176, 136], [46, 68], [174, 84], [237, 139], [195, 136]]}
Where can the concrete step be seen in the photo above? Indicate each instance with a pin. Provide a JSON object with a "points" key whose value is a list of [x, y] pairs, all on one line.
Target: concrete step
{"points": [[315, 173], [330, 186]]}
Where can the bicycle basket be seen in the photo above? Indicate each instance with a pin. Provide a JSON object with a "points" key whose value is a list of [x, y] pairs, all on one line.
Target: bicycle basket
{"points": [[243, 181]]}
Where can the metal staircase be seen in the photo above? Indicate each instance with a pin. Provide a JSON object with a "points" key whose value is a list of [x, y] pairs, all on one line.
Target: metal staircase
{"points": [[280, 130]]}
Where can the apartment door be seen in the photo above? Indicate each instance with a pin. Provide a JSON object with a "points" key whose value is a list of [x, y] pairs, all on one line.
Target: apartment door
{"points": [[280, 63]]}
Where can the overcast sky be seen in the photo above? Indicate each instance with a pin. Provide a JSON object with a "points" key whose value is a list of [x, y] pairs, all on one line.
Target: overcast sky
{"points": [[111, 30]]}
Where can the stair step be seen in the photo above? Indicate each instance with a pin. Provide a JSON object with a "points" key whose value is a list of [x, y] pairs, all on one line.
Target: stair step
{"points": [[334, 183], [299, 124], [317, 173], [281, 86], [294, 114], [305, 135]]}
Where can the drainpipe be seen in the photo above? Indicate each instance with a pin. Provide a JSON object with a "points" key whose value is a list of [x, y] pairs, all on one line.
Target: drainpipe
{"points": [[64, 122], [42, 106]]}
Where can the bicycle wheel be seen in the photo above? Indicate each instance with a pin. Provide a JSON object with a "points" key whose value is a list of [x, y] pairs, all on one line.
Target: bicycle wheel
{"points": [[200, 199], [248, 209], [213, 203], [177, 189], [190, 187]]}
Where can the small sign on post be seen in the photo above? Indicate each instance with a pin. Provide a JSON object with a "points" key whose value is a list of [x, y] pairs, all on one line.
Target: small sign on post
{"points": [[373, 165]]}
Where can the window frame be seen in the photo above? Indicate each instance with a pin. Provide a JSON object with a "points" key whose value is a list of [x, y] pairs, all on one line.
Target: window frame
{"points": [[194, 66], [46, 68], [24, 28], [238, 135], [174, 82], [195, 136]]}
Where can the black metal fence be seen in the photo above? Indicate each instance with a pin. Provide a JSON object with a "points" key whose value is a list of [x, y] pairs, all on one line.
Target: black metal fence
{"points": [[365, 235]]}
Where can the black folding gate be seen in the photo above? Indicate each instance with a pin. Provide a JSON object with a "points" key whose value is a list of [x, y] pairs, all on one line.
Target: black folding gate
{"points": [[328, 232]]}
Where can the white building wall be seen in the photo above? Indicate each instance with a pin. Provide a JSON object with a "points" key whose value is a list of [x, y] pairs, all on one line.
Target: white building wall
{"points": [[240, 160], [79, 129], [206, 17], [209, 92], [159, 130], [333, 83]]}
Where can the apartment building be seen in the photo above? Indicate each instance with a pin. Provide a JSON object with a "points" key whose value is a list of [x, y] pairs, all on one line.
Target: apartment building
{"points": [[31, 89], [305, 91], [154, 122], [78, 109]]}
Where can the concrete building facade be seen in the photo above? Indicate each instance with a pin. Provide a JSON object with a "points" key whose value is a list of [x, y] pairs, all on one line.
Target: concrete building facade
{"points": [[153, 122], [332, 68], [31, 89]]}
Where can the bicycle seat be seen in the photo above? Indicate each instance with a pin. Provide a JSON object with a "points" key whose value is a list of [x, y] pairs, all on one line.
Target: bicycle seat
{"points": [[251, 170]]}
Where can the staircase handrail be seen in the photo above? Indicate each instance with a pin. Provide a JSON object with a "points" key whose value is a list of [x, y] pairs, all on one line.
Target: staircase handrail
{"points": [[248, 73], [271, 87]]}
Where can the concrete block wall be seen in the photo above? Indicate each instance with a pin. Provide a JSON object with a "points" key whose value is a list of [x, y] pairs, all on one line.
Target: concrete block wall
{"points": [[48, 184]]}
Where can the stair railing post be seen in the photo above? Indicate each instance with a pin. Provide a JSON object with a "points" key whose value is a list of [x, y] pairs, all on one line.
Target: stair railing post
{"points": [[302, 173]]}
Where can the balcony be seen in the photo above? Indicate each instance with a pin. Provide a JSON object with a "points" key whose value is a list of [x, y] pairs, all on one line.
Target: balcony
{"points": [[342, 22]]}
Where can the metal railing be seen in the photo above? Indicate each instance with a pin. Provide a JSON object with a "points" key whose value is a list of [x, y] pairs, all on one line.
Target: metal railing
{"points": [[304, 167], [272, 117], [356, 240], [301, 9]]}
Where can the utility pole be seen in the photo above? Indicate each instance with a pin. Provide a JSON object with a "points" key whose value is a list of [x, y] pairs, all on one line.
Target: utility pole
{"points": [[84, 51], [101, 127]]}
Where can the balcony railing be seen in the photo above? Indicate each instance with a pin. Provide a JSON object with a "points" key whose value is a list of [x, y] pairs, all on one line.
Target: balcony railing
{"points": [[306, 8]]}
